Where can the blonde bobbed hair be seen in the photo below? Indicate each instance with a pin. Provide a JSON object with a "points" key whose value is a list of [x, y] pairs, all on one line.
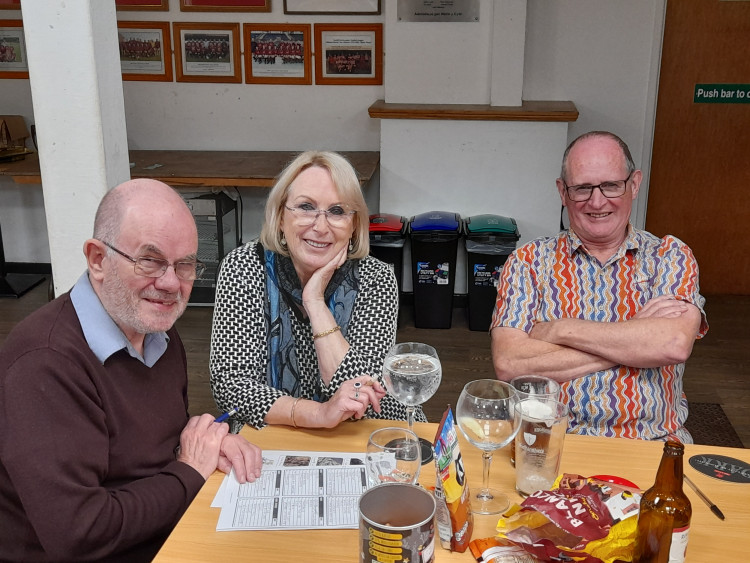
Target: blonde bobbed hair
{"points": [[347, 186]]}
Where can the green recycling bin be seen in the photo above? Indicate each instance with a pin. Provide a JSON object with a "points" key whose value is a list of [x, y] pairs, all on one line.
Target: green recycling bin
{"points": [[489, 241]]}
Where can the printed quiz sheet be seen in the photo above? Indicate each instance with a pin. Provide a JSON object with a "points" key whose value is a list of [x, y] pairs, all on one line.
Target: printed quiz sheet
{"points": [[296, 491]]}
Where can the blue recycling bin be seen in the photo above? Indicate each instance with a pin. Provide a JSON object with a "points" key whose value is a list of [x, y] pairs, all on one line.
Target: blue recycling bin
{"points": [[489, 241], [434, 245]]}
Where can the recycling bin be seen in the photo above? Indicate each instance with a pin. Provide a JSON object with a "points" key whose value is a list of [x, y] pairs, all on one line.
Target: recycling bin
{"points": [[387, 238], [434, 245], [489, 241]]}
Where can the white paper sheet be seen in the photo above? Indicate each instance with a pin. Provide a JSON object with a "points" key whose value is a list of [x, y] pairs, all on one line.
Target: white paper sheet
{"points": [[296, 491]]}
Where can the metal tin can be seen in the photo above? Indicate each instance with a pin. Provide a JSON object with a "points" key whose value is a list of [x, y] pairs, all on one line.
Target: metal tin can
{"points": [[396, 524]]}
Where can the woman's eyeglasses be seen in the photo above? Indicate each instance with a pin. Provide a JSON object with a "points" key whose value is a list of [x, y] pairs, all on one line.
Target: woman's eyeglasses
{"points": [[307, 214]]}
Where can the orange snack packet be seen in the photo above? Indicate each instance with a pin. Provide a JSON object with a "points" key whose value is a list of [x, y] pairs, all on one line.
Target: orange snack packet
{"points": [[451, 483]]}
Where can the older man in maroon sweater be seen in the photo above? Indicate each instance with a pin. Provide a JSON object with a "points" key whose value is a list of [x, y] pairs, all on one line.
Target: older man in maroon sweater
{"points": [[98, 457]]}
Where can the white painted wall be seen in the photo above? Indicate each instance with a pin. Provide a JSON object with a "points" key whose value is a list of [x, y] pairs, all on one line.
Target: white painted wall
{"points": [[466, 167], [510, 166], [179, 115], [457, 63], [601, 54], [438, 63]]}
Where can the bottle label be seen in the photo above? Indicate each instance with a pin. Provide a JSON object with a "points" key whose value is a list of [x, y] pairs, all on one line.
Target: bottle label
{"points": [[679, 545]]}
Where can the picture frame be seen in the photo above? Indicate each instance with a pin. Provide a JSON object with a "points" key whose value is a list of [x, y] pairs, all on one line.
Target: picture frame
{"points": [[277, 53], [132, 5], [207, 52], [225, 5], [333, 7], [10, 4], [13, 61], [145, 50], [349, 54]]}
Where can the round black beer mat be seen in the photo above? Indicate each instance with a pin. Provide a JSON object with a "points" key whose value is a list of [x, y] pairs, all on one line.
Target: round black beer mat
{"points": [[721, 467]]}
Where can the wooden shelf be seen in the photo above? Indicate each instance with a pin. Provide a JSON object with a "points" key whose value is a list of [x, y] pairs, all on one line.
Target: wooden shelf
{"points": [[527, 111], [203, 168]]}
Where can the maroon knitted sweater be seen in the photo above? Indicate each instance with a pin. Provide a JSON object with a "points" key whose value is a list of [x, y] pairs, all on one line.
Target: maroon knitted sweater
{"points": [[87, 464]]}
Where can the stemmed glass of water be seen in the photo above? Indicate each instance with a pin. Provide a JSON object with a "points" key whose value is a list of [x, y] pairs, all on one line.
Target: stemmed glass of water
{"points": [[487, 417], [412, 373]]}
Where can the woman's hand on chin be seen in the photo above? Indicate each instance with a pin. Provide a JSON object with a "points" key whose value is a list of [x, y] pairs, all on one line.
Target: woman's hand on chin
{"points": [[316, 285]]}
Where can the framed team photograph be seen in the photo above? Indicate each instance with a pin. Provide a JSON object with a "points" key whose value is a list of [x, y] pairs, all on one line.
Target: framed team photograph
{"points": [[277, 53], [350, 54], [145, 50], [207, 52], [156, 5], [333, 7], [10, 4], [225, 5], [13, 63]]}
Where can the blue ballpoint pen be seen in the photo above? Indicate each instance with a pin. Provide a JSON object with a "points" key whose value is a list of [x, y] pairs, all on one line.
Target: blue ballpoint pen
{"points": [[226, 415]]}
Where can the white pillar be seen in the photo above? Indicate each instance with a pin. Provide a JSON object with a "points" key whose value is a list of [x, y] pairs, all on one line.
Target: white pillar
{"points": [[76, 89]]}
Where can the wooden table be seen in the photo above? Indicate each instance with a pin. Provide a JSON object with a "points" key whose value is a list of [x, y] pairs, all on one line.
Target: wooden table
{"points": [[195, 538], [203, 168]]}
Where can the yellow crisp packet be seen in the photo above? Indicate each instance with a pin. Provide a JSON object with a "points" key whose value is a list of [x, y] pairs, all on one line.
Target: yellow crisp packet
{"points": [[618, 545], [582, 518]]}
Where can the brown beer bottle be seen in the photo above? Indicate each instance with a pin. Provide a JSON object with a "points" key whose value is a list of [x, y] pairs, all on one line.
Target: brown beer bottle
{"points": [[664, 518]]}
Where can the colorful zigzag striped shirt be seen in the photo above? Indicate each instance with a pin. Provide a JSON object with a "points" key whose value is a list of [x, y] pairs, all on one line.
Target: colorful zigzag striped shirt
{"points": [[555, 277]]}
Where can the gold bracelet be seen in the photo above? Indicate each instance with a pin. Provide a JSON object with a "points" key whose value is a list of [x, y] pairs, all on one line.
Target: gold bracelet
{"points": [[326, 332], [294, 406]]}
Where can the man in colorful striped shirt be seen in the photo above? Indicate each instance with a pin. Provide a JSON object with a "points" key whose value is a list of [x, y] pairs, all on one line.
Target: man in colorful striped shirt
{"points": [[608, 310]]}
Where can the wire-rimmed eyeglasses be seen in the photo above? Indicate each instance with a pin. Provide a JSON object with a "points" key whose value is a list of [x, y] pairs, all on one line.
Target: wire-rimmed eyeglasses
{"points": [[307, 214], [157, 267], [610, 190]]}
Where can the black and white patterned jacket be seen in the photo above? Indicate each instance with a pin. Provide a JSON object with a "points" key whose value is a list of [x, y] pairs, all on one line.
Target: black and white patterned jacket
{"points": [[239, 350]]}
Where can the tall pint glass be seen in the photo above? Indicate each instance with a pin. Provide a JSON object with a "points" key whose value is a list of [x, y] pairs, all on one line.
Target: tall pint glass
{"points": [[539, 443], [533, 386]]}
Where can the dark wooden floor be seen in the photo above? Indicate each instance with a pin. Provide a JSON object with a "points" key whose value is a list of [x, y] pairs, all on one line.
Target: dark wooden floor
{"points": [[717, 372]]}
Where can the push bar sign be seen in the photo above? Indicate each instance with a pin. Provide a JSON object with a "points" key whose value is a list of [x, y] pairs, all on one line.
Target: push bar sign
{"points": [[721, 94]]}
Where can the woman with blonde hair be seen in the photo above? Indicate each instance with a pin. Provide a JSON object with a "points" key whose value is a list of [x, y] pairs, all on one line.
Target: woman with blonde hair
{"points": [[304, 316]]}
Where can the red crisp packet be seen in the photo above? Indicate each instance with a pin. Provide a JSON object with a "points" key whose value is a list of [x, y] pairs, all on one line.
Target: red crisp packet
{"points": [[581, 519]]}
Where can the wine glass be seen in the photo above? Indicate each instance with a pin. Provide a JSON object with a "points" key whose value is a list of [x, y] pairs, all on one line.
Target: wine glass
{"points": [[487, 417], [412, 373]]}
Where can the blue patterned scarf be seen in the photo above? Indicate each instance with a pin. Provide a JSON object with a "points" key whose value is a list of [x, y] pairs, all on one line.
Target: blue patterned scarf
{"points": [[284, 299]]}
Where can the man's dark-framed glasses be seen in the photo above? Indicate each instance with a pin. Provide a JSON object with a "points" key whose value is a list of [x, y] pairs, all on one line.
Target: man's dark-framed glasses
{"points": [[610, 190], [157, 267]]}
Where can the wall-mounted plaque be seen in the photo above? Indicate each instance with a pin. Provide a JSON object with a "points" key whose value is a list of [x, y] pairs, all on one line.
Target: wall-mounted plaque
{"points": [[438, 10]]}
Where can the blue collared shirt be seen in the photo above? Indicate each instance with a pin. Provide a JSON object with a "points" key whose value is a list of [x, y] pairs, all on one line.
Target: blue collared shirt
{"points": [[103, 335]]}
